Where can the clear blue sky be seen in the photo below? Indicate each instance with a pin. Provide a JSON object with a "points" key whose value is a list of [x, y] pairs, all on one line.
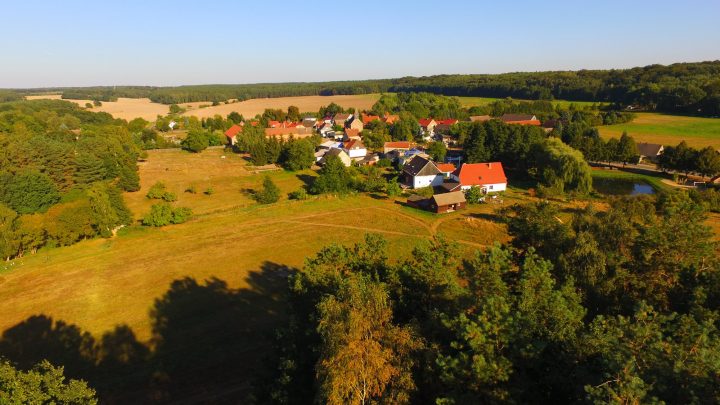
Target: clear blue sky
{"points": [[158, 42]]}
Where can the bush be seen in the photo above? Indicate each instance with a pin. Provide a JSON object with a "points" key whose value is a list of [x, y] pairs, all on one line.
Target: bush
{"points": [[156, 191], [269, 194], [164, 214], [196, 141], [191, 189], [474, 195], [209, 191], [384, 162], [393, 188], [169, 197], [298, 195]]}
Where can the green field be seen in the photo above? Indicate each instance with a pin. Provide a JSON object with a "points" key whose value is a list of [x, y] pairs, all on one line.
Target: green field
{"points": [[481, 101], [668, 130]]}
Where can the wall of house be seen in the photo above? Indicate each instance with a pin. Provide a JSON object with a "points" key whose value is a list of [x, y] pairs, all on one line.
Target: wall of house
{"points": [[490, 188], [354, 153], [425, 181]]}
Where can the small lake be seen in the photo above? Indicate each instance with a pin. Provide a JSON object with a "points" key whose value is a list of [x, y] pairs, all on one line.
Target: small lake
{"points": [[622, 187]]}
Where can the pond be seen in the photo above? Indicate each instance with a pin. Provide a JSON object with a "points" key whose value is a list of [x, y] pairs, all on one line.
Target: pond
{"points": [[622, 187]]}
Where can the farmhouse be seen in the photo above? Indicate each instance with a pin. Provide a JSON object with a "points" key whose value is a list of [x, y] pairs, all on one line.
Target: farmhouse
{"points": [[232, 132], [366, 118], [341, 118], [355, 149], [427, 125], [520, 119], [339, 153], [446, 169], [649, 151], [421, 172], [490, 177], [357, 125], [443, 126]]}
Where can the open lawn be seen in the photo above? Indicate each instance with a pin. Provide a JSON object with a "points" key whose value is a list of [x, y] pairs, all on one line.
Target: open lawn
{"points": [[481, 101], [668, 130]]}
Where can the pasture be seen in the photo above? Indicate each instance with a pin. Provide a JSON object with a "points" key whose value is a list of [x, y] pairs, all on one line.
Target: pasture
{"points": [[482, 101], [668, 130], [98, 284]]}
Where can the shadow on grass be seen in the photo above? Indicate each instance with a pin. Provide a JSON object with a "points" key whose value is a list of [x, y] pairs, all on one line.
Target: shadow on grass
{"points": [[487, 217], [307, 180], [209, 343]]}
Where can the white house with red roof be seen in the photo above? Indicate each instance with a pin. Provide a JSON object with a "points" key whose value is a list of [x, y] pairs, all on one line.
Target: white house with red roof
{"points": [[490, 177], [355, 149], [232, 132]]}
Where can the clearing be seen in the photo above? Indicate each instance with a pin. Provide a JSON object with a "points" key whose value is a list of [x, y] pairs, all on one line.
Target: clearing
{"points": [[668, 130], [482, 101]]}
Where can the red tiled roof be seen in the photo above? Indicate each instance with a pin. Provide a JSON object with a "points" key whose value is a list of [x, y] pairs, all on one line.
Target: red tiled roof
{"points": [[351, 132], [233, 130], [450, 121], [353, 143], [390, 119], [479, 174], [445, 167], [397, 145], [525, 122], [424, 122], [273, 124], [366, 119]]}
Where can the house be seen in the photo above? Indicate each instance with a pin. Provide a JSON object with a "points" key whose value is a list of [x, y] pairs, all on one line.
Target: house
{"points": [[649, 151], [391, 118], [298, 132], [427, 125], [232, 132], [355, 149], [402, 146], [366, 118], [339, 153], [520, 119], [421, 172], [351, 133], [446, 169], [357, 125], [341, 118], [443, 126], [369, 160], [309, 122], [490, 177], [327, 145], [320, 154], [480, 118], [447, 202], [404, 157]]}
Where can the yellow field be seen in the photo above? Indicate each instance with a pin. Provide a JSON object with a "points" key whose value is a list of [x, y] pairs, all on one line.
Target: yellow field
{"points": [[130, 108], [101, 283], [249, 108]]}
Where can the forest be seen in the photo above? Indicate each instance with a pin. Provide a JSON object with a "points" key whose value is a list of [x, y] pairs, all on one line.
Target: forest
{"points": [[62, 171], [684, 88]]}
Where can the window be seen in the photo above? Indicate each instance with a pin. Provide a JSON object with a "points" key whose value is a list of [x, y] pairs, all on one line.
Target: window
{"points": [[491, 187]]}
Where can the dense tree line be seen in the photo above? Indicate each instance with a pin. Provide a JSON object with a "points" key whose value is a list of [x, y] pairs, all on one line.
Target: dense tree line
{"points": [[62, 171], [686, 159], [690, 88], [612, 306]]}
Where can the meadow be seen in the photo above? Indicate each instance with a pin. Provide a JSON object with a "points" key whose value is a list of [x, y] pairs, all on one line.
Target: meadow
{"points": [[98, 284], [668, 129], [482, 101]]}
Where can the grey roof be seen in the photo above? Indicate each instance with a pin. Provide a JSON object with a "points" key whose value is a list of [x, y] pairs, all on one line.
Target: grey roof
{"points": [[341, 117], [454, 197], [420, 166], [649, 149]]}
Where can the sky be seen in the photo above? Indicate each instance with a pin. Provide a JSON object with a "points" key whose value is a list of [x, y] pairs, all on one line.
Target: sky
{"points": [[167, 43]]}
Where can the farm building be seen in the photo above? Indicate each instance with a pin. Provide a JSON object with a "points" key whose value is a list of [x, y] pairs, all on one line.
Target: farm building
{"points": [[439, 203], [351, 133], [490, 177], [649, 151], [341, 118], [520, 119], [421, 172], [355, 149]]}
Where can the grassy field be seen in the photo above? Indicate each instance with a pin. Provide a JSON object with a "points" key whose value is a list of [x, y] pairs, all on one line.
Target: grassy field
{"points": [[668, 130], [101, 283], [481, 101]]}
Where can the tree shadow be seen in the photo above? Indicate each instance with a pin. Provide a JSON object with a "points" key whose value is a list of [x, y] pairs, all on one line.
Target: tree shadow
{"points": [[488, 217], [307, 180], [209, 343]]}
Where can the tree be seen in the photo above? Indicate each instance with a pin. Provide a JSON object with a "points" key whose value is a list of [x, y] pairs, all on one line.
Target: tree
{"points": [[104, 216], [626, 149], [299, 155], [196, 141], [364, 357], [8, 238], [561, 168], [175, 109], [293, 113], [27, 192], [333, 178], [437, 150], [44, 384], [235, 117], [707, 162], [270, 193], [163, 214]]}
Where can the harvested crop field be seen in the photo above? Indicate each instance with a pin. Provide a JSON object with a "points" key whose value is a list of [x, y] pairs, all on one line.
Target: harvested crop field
{"points": [[124, 108], [249, 108]]}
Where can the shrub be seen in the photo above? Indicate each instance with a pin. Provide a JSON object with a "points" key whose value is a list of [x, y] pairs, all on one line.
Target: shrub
{"points": [[164, 214], [269, 194], [209, 191], [474, 195], [384, 162], [169, 197], [156, 191], [298, 195], [393, 188]]}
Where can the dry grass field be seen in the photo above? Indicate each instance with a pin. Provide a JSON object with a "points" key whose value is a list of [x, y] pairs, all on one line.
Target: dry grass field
{"points": [[130, 108], [668, 130], [101, 283], [249, 108]]}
